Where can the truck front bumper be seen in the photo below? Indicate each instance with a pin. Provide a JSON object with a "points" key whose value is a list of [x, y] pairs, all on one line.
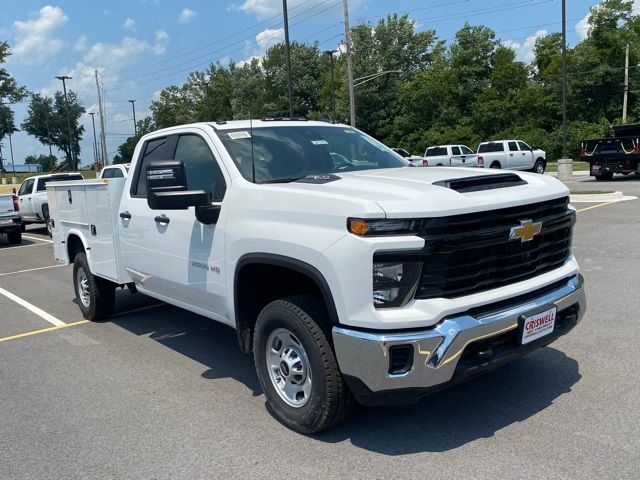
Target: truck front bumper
{"points": [[457, 348]]}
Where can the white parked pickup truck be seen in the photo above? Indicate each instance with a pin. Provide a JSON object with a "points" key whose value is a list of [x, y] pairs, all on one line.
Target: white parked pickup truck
{"points": [[451, 156], [10, 223], [32, 197], [353, 280], [512, 155], [115, 171]]}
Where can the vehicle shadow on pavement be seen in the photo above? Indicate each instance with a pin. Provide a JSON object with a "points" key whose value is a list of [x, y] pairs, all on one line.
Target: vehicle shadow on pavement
{"points": [[464, 413], [205, 341]]}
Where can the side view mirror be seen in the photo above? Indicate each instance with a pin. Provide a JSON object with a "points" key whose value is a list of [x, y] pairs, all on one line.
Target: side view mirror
{"points": [[533, 147], [167, 187]]}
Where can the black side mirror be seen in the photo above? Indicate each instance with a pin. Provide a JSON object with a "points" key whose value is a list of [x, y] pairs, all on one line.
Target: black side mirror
{"points": [[167, 187]]}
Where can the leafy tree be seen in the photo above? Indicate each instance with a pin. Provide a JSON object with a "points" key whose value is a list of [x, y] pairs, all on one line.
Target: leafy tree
{"points": [[125, 151], [47, 162], [10, 92], [47, 121]]}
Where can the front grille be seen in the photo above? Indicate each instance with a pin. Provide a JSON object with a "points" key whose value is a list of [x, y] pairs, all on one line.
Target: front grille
{"points": [[471, 253]]}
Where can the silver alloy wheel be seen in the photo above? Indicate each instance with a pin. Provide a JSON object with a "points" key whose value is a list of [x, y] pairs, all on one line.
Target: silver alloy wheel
{"points": [[83, 287], [540, 167], [288, 366]]}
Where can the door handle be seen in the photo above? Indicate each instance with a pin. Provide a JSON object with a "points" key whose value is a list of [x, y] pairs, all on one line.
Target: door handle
{"points": [[126, 215], [162, 219], [511, 154]]}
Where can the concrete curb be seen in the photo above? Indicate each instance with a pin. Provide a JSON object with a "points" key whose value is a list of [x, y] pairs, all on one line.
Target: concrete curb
{"points": [[599, 197]]}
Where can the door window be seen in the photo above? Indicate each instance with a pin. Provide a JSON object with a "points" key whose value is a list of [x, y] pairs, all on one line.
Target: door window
{"points": [[455, 151], [116, 173], [25, 188], [107, 173], [524, 146], [466, 150], [156, 149], [513, 147], [201, 168]]}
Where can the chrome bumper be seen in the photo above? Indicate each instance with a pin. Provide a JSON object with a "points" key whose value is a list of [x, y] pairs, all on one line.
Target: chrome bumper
{"points": [[365, 355]]}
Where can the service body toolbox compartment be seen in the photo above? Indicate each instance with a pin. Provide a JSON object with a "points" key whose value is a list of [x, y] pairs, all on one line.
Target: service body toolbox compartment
{"points": [[88, 208]]}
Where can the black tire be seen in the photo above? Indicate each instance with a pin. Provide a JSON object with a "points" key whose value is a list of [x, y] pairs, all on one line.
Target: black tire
{"points": [[15, 237], [329, 401], [539, 167], [495, 165], [100, 293], [47, 220], [605, 177]]}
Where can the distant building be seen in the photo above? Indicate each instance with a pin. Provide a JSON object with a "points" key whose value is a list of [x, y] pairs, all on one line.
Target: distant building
{"points": [[34, 167]]}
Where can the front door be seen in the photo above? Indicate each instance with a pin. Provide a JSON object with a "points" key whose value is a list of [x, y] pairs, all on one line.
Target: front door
{"points": [[190, 258], [527, 155], [25, 196]]}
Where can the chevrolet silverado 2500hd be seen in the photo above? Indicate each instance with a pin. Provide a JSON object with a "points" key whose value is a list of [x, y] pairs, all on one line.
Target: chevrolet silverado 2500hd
{"points": [[347, 274]]}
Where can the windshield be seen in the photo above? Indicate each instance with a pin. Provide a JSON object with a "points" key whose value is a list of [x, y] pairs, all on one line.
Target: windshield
{"points": [[289, 153]]}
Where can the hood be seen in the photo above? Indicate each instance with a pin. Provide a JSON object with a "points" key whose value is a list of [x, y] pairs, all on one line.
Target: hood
{"points": [[417, 192]]}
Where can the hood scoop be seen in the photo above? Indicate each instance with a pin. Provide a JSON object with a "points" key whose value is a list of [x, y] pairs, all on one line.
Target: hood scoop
{"points": [[482, 182]]}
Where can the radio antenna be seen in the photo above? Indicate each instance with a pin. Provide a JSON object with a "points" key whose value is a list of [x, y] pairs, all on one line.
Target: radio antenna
{"points": [[253, 160]]}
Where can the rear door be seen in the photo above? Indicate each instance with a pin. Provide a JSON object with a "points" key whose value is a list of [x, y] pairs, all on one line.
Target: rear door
{"points": [[515, 161], [458, 156]]}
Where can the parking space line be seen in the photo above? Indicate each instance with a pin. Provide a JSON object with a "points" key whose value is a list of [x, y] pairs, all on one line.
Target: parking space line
{"points": [[32, 308], [598, 205], [32, 269], [42, 330], [37, 238], [6, 249]]}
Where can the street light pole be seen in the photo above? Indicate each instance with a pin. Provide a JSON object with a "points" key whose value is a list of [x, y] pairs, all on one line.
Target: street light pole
{"points": [[564, 79], [13, 167], [95, 145], [288, 55], [347, 37], [64, 78], [135, 125], [333, 88]]}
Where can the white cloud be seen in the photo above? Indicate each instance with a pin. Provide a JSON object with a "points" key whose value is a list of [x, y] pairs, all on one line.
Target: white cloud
{"points": [[270, 37], [186, 15], [129, 23], [525, 52], [81, 44], [582, 27], [34, 38], [248, 61], [268, 8], [118, 55]]}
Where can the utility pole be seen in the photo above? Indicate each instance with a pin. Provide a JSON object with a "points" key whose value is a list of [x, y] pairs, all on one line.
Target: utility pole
{"points": [[347, 36], [288, 54], [135, 126], [333, 88], [626, 86], [565, 165], [95, 145], [13, 167], [64, 78], [105, 159]]}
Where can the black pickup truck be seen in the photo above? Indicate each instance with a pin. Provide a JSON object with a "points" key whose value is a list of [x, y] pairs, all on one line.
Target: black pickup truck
{"points": [[617, 154]]}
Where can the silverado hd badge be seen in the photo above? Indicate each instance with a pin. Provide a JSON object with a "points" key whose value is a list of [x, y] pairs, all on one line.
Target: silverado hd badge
{"points": [[526, 231]]}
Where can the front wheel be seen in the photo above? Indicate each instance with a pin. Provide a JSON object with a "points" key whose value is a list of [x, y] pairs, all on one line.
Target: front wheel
{"points": [[15, 237], [539, 167], [95, 295], [296, 366], [605, 177]]}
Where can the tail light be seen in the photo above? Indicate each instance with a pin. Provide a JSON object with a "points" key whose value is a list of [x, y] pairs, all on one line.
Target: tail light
{"points": [[582, 149], [16, 207], [636, 149], [425, 162], [480, 160]]}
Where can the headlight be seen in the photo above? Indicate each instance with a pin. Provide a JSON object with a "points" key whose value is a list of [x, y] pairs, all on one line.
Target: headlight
{"points": [[387, 226], [394, 283]]}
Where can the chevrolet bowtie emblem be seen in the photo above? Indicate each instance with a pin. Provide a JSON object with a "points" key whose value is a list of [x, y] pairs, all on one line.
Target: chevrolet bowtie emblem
{"points": [[526, 231]]}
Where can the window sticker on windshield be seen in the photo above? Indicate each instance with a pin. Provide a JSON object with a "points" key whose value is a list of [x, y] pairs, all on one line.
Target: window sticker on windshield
{"points": [[319, 142], [239, 135], [348, 130]]}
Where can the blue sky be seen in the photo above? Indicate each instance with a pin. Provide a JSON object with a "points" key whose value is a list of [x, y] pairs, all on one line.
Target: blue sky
{"points": [[142, 46]]}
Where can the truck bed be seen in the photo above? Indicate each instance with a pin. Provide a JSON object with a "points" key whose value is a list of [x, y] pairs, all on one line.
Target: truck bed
{"points": [[89, 210]]}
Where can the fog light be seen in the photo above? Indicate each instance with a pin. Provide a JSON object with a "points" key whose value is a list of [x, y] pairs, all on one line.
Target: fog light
{"points": [[400, 359]]}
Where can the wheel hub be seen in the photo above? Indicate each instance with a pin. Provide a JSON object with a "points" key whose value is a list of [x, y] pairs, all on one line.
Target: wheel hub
{"points": [[288, 367]]}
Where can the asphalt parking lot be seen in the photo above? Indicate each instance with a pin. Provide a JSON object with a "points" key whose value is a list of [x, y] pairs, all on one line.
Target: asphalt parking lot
{"points": [[158, 392]]}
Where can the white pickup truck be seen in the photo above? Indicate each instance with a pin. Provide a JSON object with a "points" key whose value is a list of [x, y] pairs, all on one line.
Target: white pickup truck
{"points": [[32, 197], [450, 156], [10, 222], [353, 279], [512, 155]]}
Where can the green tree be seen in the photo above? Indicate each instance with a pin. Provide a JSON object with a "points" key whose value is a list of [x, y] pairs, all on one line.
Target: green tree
{"points": [[10, 92], [47, 162], [125, 151]]}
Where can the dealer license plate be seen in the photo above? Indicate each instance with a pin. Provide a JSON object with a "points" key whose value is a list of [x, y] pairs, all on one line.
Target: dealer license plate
{"points": [[538, 325]]}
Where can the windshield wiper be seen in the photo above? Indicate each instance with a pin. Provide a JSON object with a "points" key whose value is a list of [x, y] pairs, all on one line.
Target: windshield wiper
{"points": [[283, 180]]}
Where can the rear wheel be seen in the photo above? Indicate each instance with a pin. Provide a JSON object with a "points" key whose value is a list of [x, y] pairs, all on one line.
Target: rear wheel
{"points": [[296, 366], [495, 165], [95, 295], [47, 220], [15, 237]]}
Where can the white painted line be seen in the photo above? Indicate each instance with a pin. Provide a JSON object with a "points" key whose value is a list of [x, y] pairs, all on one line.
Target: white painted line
{"points": [[22, 246], [32, 270], [32, 308], [37, 238]]}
